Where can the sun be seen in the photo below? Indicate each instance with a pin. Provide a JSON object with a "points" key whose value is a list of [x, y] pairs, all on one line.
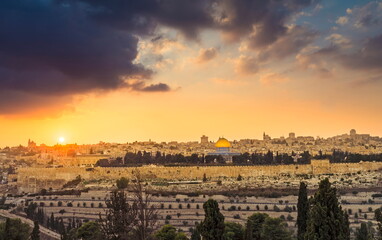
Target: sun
{"points": [[61, 139]]}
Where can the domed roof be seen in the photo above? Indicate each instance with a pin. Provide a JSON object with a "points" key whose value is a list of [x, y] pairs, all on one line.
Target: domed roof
{"points": [[222, 143]]}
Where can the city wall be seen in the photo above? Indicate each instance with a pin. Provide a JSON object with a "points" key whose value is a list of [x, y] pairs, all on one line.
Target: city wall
{"points": [[34, 179]]}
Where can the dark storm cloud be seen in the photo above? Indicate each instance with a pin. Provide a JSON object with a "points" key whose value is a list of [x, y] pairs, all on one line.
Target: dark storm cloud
{"points": [[369, 57], [142, 16], [141, 86], [295, 39], [160, 87], [56, 48], [49, 48], [265, 19], [237, 17]]}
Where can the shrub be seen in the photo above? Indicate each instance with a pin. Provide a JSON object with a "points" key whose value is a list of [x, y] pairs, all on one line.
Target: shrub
{"points": [[276, 208], [376, 195], [288, 209], [122, 183]]}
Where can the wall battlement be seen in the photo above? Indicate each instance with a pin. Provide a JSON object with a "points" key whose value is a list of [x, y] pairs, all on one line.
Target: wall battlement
{"points": [[34, 179]]}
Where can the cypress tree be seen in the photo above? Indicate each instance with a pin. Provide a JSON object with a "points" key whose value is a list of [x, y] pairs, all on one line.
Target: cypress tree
{"points": [[52, 222], [378, 217], [7, 230], [35, 235], [326, 219], [302, 211], [212, 228], [362, 232]]}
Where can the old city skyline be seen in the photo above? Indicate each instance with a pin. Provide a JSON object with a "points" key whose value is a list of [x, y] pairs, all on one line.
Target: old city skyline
{"points": [[62, 140]]}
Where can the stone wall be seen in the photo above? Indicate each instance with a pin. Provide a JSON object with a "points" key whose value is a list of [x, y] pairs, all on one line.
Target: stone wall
{"points": [[34, 179]]}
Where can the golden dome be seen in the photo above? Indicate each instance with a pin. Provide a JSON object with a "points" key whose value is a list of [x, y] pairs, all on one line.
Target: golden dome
{"points": [[222, 143]]}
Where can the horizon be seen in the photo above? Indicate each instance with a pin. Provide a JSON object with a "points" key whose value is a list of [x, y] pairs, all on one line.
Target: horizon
{"points": [[61, 140]]}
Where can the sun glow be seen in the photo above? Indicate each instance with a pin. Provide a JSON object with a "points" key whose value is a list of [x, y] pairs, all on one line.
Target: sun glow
{"points": [[61, 139]]}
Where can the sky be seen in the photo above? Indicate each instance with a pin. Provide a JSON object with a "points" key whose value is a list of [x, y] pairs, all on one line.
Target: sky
{"points": [[134, 70]]}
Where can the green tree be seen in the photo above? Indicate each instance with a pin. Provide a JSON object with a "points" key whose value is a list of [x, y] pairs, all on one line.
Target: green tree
{"points": [[275, 229], [326, 219], [363, 233], [122, 183], [147, 214], [35, 235], [120, 217], [14, 229], [233, 231], [181, 236], [378, 217], [167, 232], [254, 226], [195, 234], [90, 231], [302, 211], [212, 227]]}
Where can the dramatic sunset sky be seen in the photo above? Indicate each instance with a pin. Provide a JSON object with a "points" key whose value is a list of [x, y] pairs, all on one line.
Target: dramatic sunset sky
{"points": [[120, 71]]}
